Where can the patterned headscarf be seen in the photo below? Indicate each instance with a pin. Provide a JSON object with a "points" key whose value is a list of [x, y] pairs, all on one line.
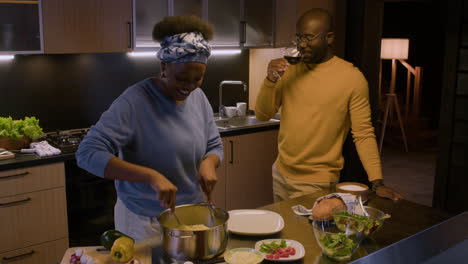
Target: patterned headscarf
{"points": [[184, 47]]}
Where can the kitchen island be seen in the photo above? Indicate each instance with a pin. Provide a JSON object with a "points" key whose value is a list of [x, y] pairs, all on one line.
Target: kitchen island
{"points": [[407, 219]]}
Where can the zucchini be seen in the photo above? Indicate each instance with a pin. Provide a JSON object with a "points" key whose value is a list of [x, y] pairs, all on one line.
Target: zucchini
{"points": [[108, 238]]}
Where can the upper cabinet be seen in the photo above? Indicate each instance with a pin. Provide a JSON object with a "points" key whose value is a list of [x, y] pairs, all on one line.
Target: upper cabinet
{"points": [[87, 26], [20, 27], [257, 23], [237, 23], [225, 15], [147, 13]]}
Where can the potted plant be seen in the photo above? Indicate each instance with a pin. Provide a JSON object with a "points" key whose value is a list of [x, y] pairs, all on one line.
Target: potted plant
{"points": [[17, 134]]}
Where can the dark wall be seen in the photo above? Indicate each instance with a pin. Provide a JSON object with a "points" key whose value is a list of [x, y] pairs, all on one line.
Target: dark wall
{"points": [[363, 33], [72, 91], [423, 23], [452, 166]]}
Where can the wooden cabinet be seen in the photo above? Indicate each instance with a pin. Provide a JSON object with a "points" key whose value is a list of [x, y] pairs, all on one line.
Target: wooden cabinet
{"points": [[245, 175], [87, 26], [46, 253], [20, 27], [33, 214]]}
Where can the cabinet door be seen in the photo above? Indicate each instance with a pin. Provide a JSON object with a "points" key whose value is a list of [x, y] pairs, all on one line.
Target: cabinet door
{"points": [[46, 253], [188, 7], [20, 26], [87, 26], [258, 16], [147, 14], [225, 16], [32, 218], [249, 177], [31, 179]]}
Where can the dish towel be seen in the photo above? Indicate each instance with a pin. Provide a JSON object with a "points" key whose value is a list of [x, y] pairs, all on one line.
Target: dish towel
{"points": [[43, 149]]}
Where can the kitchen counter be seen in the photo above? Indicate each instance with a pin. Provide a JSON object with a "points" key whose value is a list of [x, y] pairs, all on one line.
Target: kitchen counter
{"points": [[407, 219], [26, 160]]}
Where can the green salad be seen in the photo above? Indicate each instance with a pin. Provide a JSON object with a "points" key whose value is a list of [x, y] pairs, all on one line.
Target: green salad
{"points": [[272, 247], [16, 129], [337, 246], [345, 220]]}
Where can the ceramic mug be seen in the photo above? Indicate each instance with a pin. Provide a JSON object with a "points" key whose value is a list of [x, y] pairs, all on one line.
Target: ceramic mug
{"points": [[241, 108], [230, 111]]}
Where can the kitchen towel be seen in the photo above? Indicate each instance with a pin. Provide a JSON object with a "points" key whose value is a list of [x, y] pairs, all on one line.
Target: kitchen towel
{"points": [[44, 149]]}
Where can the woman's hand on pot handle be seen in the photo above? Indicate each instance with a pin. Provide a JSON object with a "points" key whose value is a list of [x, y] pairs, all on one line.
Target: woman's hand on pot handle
{"points": [[165, 189], [207, 174]]}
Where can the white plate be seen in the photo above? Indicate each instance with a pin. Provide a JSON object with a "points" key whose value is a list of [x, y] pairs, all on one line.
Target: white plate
{"points": [[300, 251], [254, 222]]}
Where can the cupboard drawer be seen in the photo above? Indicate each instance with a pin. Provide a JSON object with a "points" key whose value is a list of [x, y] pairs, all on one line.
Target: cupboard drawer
{"points": [[46, 253], [30, 179], [32, 218]]}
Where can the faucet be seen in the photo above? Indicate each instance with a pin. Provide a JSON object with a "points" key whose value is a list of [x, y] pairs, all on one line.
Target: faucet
{"points": [[221, 106]]}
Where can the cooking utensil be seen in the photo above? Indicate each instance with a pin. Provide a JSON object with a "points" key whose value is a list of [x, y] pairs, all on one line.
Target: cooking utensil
{"points": [[301, 210], [362, 207], [198, 244], [177, 218]]}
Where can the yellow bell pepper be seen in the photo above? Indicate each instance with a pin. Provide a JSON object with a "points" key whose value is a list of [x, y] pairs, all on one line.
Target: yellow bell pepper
{"points": [[122, 249]]}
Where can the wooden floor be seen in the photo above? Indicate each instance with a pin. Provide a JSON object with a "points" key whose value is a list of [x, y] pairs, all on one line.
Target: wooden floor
{"points": [[412, 173]]}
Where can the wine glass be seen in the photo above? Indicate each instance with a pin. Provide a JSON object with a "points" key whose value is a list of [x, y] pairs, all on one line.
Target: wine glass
{"points": [[291, 54]]}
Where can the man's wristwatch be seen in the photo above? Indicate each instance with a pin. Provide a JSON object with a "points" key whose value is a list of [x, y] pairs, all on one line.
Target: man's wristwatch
{"points": [[376, 185]]}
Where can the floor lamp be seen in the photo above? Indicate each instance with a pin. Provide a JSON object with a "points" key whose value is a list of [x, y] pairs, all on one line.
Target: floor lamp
{"points": [[394, 49]]}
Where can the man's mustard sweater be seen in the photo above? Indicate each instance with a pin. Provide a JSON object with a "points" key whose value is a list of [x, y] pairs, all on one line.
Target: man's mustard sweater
{"points": [[318, 107]]}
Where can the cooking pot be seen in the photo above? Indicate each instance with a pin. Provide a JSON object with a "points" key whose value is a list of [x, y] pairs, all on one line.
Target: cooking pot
{"points": [[194, 245]]}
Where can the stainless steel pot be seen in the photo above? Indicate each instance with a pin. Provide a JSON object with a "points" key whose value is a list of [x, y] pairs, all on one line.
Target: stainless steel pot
{"points": [[194, 245]]}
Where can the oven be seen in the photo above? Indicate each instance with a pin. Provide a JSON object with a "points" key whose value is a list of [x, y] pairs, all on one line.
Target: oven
{"points": [[90, 199]]}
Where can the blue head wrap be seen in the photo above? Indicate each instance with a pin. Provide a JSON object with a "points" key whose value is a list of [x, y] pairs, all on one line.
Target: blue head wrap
{"points": [[184, 47]]}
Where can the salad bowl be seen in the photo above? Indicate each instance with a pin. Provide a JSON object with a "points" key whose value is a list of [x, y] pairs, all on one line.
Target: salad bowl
{"points": [[368, 225], [337, 243]]}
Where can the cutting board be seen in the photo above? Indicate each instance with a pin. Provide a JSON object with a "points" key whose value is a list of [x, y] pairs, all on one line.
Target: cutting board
{"points": [[142, 253], [7, 155]]}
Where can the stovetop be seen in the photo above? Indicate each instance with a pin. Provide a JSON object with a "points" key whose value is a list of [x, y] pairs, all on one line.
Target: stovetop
{"points": [[66, 140]]}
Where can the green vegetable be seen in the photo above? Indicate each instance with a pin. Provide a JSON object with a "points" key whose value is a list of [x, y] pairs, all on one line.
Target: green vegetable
{"points": [[272, 247], [16, 129], [337, 246], [345, 220], [110, 236]]}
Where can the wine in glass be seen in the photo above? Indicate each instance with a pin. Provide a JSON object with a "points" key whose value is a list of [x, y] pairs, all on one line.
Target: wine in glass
{"points": [[291, 54]]}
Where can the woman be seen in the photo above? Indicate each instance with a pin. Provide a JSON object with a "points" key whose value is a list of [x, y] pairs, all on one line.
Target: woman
{"points": [[158, 140]]}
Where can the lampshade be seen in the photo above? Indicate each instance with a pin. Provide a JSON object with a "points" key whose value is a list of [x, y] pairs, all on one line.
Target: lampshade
{"points": [[394, 49]]}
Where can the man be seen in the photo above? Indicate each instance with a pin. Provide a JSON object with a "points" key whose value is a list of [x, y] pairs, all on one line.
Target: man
{"points": [[321, 98]]}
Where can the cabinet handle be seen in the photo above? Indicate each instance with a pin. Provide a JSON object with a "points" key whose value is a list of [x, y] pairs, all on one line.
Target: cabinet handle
{"points": [[15, 175], [130, 35], [19, 256], [231, 143], [15, 202], [243, 32]]}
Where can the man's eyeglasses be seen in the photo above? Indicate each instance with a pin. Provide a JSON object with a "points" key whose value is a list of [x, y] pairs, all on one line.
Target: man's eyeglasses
{"points": [[306, 37]]}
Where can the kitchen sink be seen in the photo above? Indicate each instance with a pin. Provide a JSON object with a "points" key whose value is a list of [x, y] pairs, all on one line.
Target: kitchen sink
{"points": [[242, 122]]}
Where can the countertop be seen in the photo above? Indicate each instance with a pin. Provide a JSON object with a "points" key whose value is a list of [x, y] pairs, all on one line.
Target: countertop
{"points": [[407, 219], [26, 160]]}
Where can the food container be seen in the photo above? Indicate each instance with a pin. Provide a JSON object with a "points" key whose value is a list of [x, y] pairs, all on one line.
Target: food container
{"points": [[354, 188], [14, 144], [243, 256], [368, 225], [182, 244], [336, 243]]}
